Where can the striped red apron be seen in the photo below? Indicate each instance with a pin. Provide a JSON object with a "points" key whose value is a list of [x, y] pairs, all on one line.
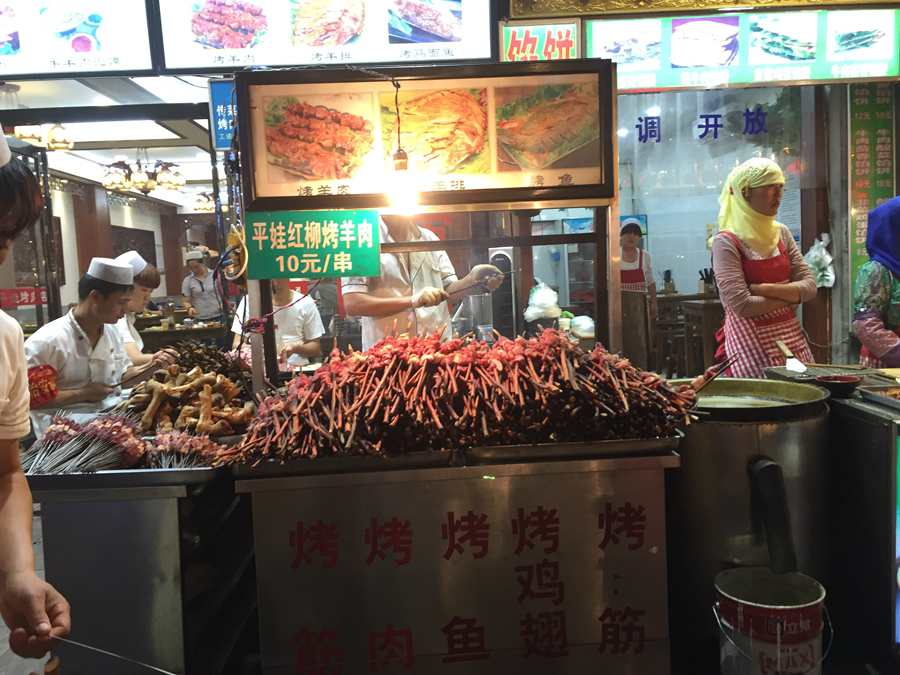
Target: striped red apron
{"points": [[753, 340], [634, 280]]}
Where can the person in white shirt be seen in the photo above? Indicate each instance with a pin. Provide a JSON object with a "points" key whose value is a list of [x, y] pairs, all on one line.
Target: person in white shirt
{"points": [[31, 608], [146, 280], [414, 287], [298, 325], [198, 290], [84, 347]]}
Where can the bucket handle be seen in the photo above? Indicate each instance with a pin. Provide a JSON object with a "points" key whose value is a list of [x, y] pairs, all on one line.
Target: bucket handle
{"points": [[826, 616]]}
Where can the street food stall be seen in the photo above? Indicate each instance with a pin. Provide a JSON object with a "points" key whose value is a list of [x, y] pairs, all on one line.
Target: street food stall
{"points": [[455, 462]]}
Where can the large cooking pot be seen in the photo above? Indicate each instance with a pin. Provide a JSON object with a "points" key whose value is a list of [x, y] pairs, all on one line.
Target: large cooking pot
{"points": [[754, 439]]}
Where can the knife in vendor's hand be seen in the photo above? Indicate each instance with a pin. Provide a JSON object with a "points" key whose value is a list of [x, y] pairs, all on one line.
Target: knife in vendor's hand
{"points": [[146, 666]]}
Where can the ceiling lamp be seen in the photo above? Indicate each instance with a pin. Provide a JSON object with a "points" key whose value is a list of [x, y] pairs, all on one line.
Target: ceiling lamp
{"points": [[58, 138], [143, 176], [32, 134], [204, 203]]}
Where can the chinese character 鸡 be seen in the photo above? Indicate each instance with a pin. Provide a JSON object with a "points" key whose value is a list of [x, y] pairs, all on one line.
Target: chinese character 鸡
{"points": [[539, 524], [465, 640], [392, 647], [626, 521], [319, 538], [392, 535], [709, 123], [649, 129], [540, 581], [621, 631], [472, 529], [755, 121], [544, 634]]}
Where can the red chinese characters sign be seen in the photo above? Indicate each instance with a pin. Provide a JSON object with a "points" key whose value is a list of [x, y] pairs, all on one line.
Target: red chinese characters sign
{"points": [[10, 298], [437, 580], [546, 42]]}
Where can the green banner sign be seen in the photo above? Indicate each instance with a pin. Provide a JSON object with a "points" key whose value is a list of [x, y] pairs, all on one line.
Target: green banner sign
{"points": [[871, 161], [540, 42], [312, 244], [748, 48]]}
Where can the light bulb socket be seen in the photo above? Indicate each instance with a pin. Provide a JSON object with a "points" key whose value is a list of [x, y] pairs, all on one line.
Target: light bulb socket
{"points": [[401, 160]]}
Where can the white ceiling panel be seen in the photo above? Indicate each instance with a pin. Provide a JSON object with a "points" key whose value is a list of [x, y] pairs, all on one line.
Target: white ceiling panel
{"points": [[117, 131], [58, 94], [186, 89]]}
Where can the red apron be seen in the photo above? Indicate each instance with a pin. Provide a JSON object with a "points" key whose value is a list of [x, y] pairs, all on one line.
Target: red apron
{"points": [[634, 280], [753, 340]]}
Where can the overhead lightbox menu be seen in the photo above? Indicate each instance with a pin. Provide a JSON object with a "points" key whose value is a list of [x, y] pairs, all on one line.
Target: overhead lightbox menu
{"points": [[237, 33], [757, 48], [46, 37]]}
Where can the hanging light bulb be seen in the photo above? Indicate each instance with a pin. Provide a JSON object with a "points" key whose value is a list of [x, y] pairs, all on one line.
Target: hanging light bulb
{"points": [[32, 134], [117, 176], [403, 194], [58, 138]]}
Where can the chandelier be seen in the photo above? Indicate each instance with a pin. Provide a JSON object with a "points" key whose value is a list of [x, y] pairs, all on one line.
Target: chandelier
{"points": [[50, 136], [142, 175]]}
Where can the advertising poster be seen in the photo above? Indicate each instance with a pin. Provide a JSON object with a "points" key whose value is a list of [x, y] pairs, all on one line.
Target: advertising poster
{"points": [[745, 48], [871, 162], [59, 36], [216, 34], [465, 134]]}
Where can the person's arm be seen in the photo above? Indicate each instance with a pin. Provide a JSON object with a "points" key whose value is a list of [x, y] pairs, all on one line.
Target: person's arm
{"points": [[138, 358], [480, 279], [651, 284], [872, 298], [92, 393], [186, 297], [733, 289], [309, 327], [802, 286], [366, 304]]}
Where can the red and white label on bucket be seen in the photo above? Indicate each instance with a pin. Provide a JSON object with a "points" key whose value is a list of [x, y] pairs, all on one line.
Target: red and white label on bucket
{"points": [[784, 625]]}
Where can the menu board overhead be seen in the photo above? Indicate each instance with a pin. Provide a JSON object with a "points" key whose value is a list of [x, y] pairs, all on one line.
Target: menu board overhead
{"points": [[229, 34], [734, 49], [51, 37], [471, 134]]}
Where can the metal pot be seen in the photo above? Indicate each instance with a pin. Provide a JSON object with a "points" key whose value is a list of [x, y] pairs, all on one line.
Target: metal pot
{"points": [[754, 471]]}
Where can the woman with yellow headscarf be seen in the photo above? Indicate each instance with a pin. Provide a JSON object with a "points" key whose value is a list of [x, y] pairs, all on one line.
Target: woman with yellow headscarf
{"points": [[759, 270]]}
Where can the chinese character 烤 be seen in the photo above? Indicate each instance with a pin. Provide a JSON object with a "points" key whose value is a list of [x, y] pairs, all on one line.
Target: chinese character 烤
{"points": [[649, 128], [709, 123], [465, 640], [317, 653], [330, 234], [307, 191], [622, 634], [472, 529], [544, 634], [626, 521], [539, 524], [540, 581], [755, 121], [392, 647], [319, 539], [393, 535]]}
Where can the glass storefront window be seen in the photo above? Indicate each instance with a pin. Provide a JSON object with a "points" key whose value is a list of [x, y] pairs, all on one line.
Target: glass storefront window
{"points": [[675, 151]]}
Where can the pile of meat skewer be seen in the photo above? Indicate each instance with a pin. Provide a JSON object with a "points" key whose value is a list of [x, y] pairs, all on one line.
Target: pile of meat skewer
{"points": [[417, 393]]}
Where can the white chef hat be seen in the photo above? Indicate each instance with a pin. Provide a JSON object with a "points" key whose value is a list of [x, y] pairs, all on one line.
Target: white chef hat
{"points": [[107, 269], [193, 255], [134, 260], [5, 154]]}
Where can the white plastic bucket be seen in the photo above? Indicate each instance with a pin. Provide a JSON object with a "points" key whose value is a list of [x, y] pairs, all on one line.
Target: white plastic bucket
{"points": [[770, 624]]}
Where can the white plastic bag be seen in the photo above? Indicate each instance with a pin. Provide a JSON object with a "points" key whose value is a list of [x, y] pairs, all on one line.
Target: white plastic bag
{"points": [[582, 327], [543, 303], [820, 262]]}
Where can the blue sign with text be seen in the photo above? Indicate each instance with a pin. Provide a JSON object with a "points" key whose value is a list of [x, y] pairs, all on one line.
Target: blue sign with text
{"points": [[222, 113]]}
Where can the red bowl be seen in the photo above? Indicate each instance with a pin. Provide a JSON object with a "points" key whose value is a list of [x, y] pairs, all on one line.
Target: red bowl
{"points": [[840, 386]]}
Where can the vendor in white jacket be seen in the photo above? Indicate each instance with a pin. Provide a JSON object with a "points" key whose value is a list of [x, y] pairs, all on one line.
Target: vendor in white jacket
{"points": [[413, 290], [84, 346], [146, 280]]}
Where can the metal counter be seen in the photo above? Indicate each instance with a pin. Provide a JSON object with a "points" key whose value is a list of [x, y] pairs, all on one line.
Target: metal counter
{"points": [[548, 567], [120, 546]]}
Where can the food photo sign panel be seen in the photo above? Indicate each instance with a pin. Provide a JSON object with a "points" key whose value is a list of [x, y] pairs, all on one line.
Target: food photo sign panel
{"points": [[469, 139]]}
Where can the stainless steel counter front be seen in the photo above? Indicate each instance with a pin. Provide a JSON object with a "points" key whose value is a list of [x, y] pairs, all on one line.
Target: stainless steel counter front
{"points": [[548, 567]]}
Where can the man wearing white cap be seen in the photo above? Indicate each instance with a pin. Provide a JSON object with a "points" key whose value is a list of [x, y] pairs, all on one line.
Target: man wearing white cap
{"points": [[84, 347], [31, 608], [199, 289], [146, 280]]}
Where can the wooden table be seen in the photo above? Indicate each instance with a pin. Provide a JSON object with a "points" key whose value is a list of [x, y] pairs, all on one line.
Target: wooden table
{"points": [[702, 318], [155, 339]]}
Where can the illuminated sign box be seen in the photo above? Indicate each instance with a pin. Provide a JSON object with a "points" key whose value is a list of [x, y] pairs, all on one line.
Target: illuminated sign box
{"points": [[747, 48]]}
